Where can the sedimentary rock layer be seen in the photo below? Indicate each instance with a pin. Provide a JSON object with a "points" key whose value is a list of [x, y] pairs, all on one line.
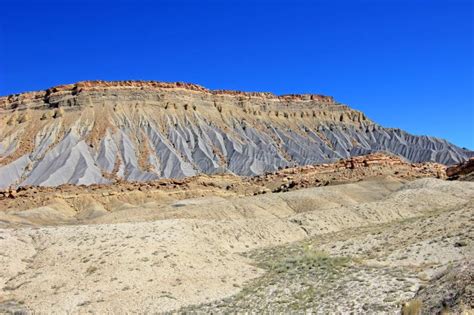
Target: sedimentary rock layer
{"points": [[96, 132]]}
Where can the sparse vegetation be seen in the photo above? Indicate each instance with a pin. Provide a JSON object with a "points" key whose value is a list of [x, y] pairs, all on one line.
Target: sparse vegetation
{"points": [[297, 278], [412, 307]]}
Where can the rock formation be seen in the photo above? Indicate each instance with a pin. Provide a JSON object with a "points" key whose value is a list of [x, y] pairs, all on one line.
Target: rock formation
{"points": [[98, 132], [84, 199], [462, 171]]}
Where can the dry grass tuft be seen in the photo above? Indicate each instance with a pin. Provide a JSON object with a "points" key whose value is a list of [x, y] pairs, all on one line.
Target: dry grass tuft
{"points": [[412, 307]]}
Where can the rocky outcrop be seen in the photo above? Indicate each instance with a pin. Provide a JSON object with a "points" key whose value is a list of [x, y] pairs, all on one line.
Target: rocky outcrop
{"points": [[97, 132], [344, 171], [16, 100], [451, 291], [348, 170], [463, 171]]}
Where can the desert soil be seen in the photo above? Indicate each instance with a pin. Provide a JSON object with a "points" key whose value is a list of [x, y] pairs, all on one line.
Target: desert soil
{"points": [[374, 246]]}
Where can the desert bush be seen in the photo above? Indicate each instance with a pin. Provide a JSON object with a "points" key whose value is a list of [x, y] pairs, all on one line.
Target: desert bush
{"points": [[412, 307]]}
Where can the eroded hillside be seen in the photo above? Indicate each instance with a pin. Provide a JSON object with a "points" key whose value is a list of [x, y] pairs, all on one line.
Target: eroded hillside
{"points": [[97, 132], [161, 199]]}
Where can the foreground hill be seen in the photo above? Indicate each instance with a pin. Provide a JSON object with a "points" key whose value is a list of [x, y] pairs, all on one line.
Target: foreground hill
{"points": [[96, 132], [367, 247]]}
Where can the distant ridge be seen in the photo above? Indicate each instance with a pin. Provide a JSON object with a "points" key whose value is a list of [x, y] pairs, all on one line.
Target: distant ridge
{"points": [[13, 99], [93, 132]]}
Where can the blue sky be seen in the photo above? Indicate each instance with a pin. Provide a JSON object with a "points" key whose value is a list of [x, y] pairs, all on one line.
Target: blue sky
{"points": [[406, 64]]}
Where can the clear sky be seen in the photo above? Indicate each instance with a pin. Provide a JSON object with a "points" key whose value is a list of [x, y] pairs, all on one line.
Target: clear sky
{"points": [[406, 64]]}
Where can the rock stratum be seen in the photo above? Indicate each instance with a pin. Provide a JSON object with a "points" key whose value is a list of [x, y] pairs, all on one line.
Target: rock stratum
{"points": [[98, 132]]}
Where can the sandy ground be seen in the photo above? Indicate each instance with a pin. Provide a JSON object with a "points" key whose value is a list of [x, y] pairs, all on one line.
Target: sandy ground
{"points": [[195, 252]]}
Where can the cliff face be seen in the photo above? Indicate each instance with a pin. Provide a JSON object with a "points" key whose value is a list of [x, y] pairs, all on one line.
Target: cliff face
{"points": [[96, 131], [54, 94]]}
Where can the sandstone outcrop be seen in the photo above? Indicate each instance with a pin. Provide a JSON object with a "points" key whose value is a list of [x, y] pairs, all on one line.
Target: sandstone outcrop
{"points": [[464, 170]]}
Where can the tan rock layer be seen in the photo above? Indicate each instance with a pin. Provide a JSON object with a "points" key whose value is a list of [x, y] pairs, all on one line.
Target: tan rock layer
{"points": [[10, 101], [348, 170]]}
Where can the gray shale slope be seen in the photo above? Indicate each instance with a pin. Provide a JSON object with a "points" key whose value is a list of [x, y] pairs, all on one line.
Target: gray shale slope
{"points": [[95, 132]]}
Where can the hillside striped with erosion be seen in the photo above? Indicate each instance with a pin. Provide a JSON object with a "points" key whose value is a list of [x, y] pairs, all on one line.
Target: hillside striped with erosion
{"points": [[96, 132]]}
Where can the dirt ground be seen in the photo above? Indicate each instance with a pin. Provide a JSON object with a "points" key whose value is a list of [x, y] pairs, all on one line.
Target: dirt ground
{"points": [[370, 246]]}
